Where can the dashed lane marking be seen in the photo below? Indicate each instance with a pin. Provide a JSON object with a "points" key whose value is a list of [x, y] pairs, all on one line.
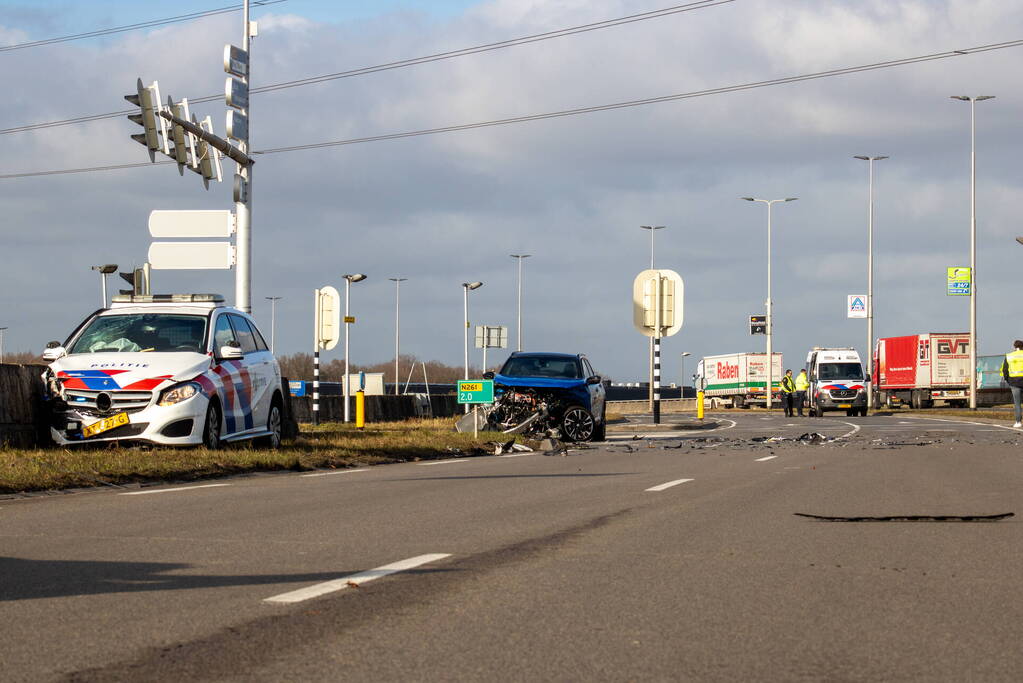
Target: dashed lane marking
{"points": [[327, 474], [766, 457], [668, 485], [443, 462], [177, 488], [354, 580]]}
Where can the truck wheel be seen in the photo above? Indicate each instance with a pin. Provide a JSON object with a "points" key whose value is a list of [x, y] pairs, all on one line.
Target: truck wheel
{"points": [[738, 402], [916, 400]]}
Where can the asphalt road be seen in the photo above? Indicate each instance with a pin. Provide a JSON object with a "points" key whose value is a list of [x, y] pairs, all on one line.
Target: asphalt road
{"points": [[664, 557]]}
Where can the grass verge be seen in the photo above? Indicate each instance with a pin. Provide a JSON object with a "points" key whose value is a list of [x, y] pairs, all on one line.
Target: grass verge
{"points": [[328, 446]]}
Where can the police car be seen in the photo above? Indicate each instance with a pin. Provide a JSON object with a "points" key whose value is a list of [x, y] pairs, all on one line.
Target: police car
{"points": [[167, 369]]}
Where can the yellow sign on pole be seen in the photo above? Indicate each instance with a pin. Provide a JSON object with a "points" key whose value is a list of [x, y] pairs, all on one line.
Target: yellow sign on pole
{"points": [[960, 281]]}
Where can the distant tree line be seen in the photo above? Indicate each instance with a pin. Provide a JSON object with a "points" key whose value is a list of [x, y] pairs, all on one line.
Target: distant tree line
{"points": [[300, 366]]}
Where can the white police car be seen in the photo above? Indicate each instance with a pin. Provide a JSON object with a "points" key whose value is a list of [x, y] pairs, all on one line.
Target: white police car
{"points": [[168, 369]]}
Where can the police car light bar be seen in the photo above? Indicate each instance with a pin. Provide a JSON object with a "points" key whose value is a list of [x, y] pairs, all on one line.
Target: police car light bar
{"points": [[167, 298]]}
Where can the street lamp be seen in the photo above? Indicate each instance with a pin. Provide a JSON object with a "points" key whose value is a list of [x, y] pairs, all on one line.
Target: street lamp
{"points": [[652, 229], [770, 318], [682, 372], [273, 319], [103, 272], [2, 344], [466, 286], [397, 298], [870, 273], [518, 345], [973, 240], [349, 279]]}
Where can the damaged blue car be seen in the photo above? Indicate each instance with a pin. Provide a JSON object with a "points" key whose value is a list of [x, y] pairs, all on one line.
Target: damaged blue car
{"points": [[551, 394]]}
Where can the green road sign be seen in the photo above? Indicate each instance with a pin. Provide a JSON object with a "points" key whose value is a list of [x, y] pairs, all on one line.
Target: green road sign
{"points": [[476, 391]]}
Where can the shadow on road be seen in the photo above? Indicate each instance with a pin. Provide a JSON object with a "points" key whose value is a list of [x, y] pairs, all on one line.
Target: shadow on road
{"points": [[36, 579]]}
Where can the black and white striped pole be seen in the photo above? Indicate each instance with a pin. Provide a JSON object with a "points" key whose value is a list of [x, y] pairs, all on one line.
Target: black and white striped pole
{"points": [[326, 332], [657, 297]]}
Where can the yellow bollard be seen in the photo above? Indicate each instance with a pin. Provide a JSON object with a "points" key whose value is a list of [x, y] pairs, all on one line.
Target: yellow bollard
{"points": [[699, 405], [360, 409]]}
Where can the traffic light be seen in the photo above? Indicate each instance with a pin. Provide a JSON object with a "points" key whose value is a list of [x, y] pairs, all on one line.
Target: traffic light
{"points": [[138, 281], [154, 135], [183, 151], [207, 156], [758, 324]]}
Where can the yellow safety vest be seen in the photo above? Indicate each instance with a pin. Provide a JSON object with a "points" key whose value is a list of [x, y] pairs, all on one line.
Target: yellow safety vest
{"points": [[787, 385], [1015, 361], [802, 383]]}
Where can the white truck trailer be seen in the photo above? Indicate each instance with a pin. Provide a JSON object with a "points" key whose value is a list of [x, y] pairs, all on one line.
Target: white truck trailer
{"points": [[739, 378]]}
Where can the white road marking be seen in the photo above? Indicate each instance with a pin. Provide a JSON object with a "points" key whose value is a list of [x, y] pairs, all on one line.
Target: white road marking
{"points": [[327, 474], [355, 580], [443, 462], [855, 428], [766, 457], [515, 455], [179, 488], [668, 485]]}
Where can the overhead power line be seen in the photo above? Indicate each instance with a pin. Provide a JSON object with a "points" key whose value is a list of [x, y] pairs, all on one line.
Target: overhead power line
{"points": [[134, 27], [843, 71], [609, 23]]}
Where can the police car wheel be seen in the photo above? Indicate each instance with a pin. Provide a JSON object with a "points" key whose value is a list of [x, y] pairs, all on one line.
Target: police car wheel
{"points": [[274, 423], [211, 428]]}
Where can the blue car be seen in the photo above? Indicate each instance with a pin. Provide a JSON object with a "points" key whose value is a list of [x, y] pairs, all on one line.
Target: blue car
{"points": [[555, 394]]}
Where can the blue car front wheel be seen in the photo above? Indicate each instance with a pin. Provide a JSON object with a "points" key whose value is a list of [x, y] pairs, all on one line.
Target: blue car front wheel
{"points": [[577, 424]]}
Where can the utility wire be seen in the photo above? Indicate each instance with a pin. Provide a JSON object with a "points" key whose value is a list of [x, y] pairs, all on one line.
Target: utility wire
{"points": [[586, 110], [701, 4], [134, 27]]}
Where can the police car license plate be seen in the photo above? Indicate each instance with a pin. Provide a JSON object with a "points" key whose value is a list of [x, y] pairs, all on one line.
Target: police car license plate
{"points": [[104, 425], [845, 405]]}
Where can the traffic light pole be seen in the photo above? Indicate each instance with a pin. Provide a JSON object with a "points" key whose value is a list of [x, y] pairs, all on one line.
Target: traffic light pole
{"points": [[243, 197]]}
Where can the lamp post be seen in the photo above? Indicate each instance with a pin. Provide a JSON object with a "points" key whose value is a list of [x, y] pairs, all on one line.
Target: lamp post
{"points": [[519, 257], [397, 299], [973, 240], [105, 270], [273, 320], [682, 372], [770, 317], [466, 286], [349, 279], [652, 229], [2, 344], [870, 273]]}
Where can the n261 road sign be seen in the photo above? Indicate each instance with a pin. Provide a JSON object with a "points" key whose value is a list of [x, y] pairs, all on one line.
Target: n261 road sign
{"points": [[476, 391]]}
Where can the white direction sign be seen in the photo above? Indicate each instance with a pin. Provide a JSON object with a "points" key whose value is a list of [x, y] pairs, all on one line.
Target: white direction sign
{"points": [[856, 306], [657, 297], [491, 337], [191, 255], [215, 223]]}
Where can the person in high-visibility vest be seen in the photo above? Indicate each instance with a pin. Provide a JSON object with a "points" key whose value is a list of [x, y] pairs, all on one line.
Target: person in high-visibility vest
{"points": [[788, 387], [802, 384], [1012, 371]]}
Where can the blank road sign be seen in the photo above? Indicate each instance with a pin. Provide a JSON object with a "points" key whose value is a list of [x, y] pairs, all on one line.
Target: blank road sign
{"points": [[218, 223], [191, 255]]}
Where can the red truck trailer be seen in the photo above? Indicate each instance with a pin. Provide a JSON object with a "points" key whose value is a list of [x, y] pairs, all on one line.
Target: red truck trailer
{"points": [[923, 368]]}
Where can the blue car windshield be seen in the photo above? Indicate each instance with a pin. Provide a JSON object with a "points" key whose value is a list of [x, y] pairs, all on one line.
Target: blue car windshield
{"points": [[533, 366]]}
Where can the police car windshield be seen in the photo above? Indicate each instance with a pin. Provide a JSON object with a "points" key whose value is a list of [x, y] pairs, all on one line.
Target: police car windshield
{"points": [[533, 366], [831, 371], [135, 332]]}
